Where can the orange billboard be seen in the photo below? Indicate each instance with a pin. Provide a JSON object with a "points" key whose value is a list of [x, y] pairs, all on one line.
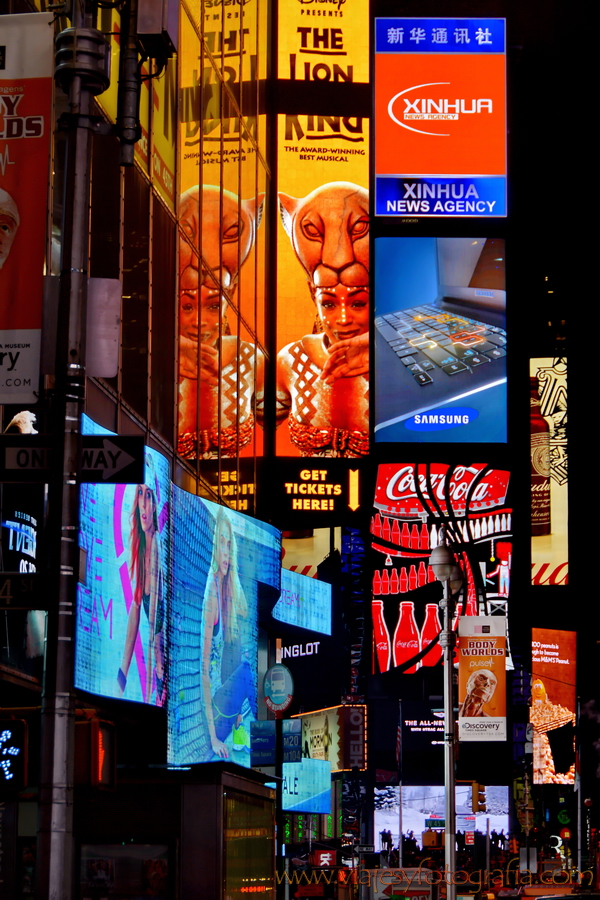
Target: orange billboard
{"points": [[323, 288], [440, 117]]}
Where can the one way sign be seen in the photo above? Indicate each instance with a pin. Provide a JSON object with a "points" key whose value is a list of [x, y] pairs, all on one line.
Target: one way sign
{"points": [[112, 459]]}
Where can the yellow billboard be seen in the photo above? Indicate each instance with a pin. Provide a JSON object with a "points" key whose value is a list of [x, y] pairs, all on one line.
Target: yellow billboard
{"points": [[324, 40], [323, 296]]}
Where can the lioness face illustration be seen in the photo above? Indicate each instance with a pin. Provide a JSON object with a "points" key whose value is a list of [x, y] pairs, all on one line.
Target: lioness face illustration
{"points": [[329, 231], [225, 234]]}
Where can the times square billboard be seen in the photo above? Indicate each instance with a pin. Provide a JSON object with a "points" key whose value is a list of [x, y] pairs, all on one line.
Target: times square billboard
{"points": [[167, 607], [440, 117], [414, 504]]}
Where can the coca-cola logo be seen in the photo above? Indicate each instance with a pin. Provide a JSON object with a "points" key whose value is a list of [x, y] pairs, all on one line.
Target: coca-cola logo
{"points": [[407, 487]]}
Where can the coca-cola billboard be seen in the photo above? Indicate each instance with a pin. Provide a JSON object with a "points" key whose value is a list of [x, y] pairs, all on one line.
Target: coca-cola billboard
{"points": [[418, 490], [415, 503]]}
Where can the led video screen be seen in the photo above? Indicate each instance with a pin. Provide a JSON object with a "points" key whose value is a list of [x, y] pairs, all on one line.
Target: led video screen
{"points": [[304, 602], [553, 705], [549, 470], [167, 608], [415, 505], [219, 557], [307, 786], [422, 803], [124, 590], [440, 345], [440, 117], [323, 287]]}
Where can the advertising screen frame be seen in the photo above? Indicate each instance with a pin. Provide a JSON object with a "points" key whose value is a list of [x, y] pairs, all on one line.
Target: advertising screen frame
{"points": [[417, 171]]}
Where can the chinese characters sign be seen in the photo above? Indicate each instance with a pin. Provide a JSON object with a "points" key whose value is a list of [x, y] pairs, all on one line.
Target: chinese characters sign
{"points": [[440, 117]]}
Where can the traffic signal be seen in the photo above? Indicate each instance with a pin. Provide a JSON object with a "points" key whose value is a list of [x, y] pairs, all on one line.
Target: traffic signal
{"points": [[13, 753], [95, 753], [478, 797]]}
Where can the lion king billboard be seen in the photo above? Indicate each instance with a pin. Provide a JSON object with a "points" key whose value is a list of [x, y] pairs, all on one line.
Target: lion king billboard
{"points": [[323, 288]]}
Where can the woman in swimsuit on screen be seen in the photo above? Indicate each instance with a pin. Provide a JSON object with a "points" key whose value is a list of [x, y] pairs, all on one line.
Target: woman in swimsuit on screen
{"points": [[145, 572], [227, 679]]}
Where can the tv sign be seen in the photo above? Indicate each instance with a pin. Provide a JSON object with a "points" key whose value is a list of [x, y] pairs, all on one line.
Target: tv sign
{"points": [[440, 117]]}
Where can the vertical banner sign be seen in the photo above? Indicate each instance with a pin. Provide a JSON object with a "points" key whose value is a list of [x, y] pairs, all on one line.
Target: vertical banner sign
{"points": [[482, 678], [323, 299], [441, 342], [26, 68], [221, 245], [413, 502], [553, 699], [549, 470], [440, 117]]}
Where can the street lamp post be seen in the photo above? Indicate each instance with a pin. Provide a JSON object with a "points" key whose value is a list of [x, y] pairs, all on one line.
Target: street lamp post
{"points": [[443, 563]]}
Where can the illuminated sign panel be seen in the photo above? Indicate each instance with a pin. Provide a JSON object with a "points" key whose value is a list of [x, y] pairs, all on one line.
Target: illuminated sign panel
{"points": [[167, 608], [440, 117], [25, 132], [338, 735], [118, 652], [482, 678], [219, 558], [304, 602], [440, 344], [327, 42], [317, 494], [306, 786], [549, 471], [553, 705], [323, 299], [413, 502], [422, 742], [221, 245]]}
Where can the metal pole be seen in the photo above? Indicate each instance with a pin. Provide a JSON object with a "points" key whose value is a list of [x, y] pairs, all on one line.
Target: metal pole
{"points": [[447, 640], [400, 842], [55, 836]]}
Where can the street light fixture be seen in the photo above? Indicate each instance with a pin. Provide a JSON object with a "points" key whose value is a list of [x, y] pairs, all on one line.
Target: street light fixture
{"points": [[444, 565]]}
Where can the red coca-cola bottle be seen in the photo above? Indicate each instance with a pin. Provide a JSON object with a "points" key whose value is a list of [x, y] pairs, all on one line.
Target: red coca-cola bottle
{"points": [[386, 531], [412, 579], [422, 574], [382, 636], [395, 532], [403, 581], [541, 520], [376, 582], [405, 537], [376, 526], [406, 637], [394, 582], [385, 582], [424, 542], [431, 628], [414, 538]]}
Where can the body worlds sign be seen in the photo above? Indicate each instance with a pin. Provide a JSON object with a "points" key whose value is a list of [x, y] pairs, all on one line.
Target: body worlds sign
{"points": [[440, 117]]}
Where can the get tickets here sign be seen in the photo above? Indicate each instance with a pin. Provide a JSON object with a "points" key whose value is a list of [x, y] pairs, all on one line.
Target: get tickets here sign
{"points": [[440, 117]]}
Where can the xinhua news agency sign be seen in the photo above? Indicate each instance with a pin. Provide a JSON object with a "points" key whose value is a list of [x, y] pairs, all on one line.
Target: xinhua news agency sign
{"points": [[440, 117]]}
